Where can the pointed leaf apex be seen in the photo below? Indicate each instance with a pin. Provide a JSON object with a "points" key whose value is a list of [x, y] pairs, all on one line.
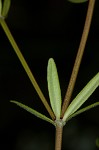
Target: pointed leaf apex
{"points": [[34, 112]]}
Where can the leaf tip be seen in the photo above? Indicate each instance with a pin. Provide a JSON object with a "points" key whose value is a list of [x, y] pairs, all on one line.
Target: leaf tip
{"points": [[54, 88]]}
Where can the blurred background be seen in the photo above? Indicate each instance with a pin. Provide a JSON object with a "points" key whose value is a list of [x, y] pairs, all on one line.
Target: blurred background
{"points": [[44, 29]]}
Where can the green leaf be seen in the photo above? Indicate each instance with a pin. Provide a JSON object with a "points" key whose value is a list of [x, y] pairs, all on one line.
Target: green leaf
{"points": [[77, 1], [34, 112], [82, 96], [54, 88], [6, 7], [0, 7], [83, 110]]}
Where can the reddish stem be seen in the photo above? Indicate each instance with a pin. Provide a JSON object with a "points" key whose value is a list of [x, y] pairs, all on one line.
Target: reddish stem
{"points": [[78, 57]]}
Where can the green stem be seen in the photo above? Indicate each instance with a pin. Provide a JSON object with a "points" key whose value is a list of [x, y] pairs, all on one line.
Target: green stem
{"points": [[25, 66], [78, 57]]}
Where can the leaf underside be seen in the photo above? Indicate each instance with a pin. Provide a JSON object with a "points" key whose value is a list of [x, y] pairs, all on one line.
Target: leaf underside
{"points": [[54, 88], [34, 112], [82, 96]]}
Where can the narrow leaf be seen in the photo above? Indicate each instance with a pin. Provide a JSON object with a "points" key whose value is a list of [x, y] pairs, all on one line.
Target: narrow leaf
{"points": [[82, 96], [6, 7], [34, 112], [54, 88], [83, 110], [77, 1]]}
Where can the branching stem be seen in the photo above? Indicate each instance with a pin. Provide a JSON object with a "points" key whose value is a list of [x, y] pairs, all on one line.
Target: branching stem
{"points": [[59, 128], [78, 57], [25, 66]]}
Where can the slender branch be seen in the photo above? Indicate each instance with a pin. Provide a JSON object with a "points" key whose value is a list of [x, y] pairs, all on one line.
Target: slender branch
{"points": [[25, 66], [58, 138], [79, 56]]}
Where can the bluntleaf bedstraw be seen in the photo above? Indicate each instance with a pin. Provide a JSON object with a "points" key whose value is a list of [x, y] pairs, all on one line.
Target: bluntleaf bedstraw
{"points": [[55, 97], [69, 110]]}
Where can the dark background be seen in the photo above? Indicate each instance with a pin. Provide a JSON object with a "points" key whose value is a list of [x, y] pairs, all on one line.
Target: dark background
{"points": [[45, 29]]}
